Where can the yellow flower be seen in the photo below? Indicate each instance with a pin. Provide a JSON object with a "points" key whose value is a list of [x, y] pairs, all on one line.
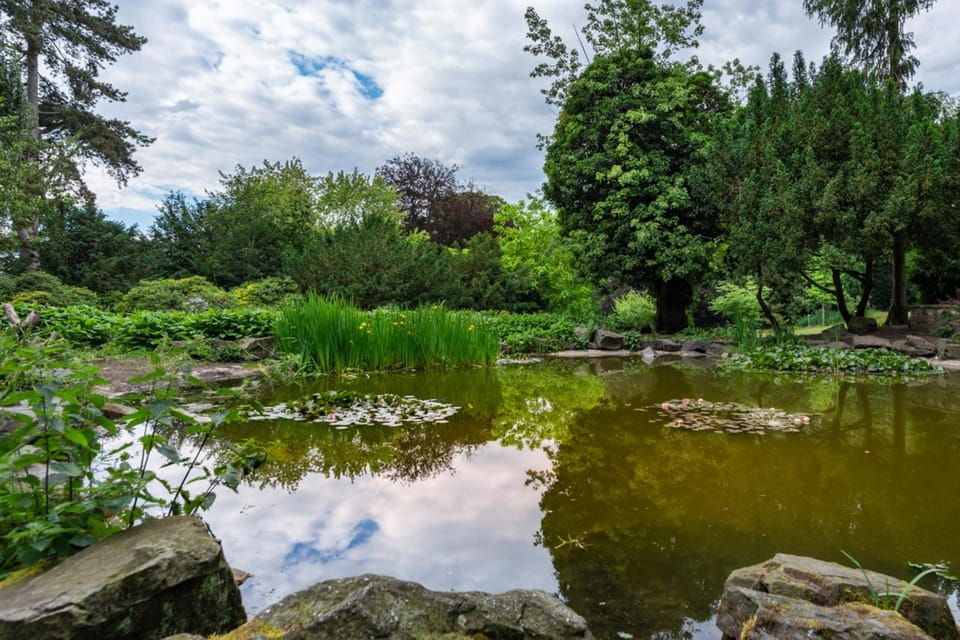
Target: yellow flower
{"points": [[470, 328]]}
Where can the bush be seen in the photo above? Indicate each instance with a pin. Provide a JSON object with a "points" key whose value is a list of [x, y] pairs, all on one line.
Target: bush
{"points": [[191, 294], [634, 310], [39, 288], [269, 292], [538, 332], [739, 305]]}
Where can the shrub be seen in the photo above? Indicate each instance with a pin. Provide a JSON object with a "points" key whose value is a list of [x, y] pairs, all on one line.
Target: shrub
{"points": [[538, 332], [634, 310], [39, 288], [268, 292], [186, 294], [739, 305]]}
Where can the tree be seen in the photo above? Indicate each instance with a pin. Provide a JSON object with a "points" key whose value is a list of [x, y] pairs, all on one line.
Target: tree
{"points": [[620, 167], [872, 34], [85, 249], [71, 40], [434, 200], [259, 216], [360, 249], [624, 158], [531, 244]]}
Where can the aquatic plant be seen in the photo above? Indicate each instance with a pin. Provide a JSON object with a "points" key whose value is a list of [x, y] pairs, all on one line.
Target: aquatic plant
{"points": [[805, 359], [883, 599], [330, 335], [348, 409]]}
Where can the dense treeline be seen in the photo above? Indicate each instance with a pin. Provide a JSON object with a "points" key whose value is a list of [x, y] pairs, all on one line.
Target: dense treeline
{"points": [[825, 184]]}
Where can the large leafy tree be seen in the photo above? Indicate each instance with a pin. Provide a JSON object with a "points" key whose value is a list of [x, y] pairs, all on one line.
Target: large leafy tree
{"points": [[62, 46], [872, 33], [625, 159], [433, 199]]}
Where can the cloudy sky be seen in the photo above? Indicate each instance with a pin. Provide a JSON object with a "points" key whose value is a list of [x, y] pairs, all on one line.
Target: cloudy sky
{"points": [[344, 84]]}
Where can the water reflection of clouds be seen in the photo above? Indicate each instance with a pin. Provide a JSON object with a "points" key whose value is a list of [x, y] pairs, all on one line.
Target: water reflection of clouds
{"points": [[469, 530]]}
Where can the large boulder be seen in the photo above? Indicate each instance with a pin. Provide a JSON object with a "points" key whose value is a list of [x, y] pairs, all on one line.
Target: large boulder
{"points": [[753, 594], [608, 340], [160, 578], [860, 326], [371, 606]]}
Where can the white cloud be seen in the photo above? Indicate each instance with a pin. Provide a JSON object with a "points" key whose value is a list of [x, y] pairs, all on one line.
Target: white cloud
{"points": [[217, 87]]}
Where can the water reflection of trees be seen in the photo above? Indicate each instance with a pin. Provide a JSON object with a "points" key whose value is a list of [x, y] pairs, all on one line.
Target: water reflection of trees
{"points": [[645, 523], [408, 453]]}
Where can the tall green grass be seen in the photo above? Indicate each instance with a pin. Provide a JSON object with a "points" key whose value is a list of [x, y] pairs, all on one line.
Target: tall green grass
{"points": [[330, 335]]}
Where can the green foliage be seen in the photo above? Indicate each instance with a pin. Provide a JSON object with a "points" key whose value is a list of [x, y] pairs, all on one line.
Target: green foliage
{"points": [[83, 248], [38, 287], [84, 326], [194, 293], [268, 292], [634, 310], [803, 359], [70, 476], [532, 248], [622, 167], [329, 335], [739, 305], [372, 261], [486, 283], [536, 332]]}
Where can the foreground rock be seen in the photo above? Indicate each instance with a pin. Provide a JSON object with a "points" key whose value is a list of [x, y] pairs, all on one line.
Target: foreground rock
{"points": [[157, 579], [372, 606], [790, 596]]}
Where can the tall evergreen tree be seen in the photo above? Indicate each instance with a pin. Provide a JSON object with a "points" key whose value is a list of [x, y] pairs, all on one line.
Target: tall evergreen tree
{"points": [[871, 33], [71, 41]]}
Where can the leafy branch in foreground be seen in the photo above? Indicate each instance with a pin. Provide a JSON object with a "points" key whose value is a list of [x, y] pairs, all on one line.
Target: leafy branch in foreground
{"points": [[71, 475]]}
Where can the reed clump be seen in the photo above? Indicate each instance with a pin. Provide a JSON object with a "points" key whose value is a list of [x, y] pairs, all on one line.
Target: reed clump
{"points": [[328, 334]]}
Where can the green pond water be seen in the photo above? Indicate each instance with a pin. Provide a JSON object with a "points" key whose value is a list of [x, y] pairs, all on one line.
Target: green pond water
{"points": [[570, 476]]}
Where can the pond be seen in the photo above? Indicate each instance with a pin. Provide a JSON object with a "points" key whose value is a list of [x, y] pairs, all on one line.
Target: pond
{"points": [[573, 476]]}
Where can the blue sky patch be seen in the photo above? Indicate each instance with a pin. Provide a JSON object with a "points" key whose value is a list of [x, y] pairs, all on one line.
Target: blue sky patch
{"points": [[308, 66]]}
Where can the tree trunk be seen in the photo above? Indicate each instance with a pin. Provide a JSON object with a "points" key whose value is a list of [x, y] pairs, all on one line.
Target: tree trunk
{"points": [[29, 229], [841, 299], [867, 287], [672, 297], [899, 312], [767, 311]]}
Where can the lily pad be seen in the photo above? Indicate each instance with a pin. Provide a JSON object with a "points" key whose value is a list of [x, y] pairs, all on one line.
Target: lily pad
{"points": [[344, 409], [729, 417]]}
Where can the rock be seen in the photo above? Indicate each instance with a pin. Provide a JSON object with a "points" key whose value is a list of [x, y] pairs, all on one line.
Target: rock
{"points": [[783, 617], [582, 333], [372, 606], [160, 578], [695, 346], [950, 350], [826, 585], [929, 318], [662, 344], [915, 346], [608, 340], [870, 342], [861, 326], [836, 333], [115, 410], [648, 354]]}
